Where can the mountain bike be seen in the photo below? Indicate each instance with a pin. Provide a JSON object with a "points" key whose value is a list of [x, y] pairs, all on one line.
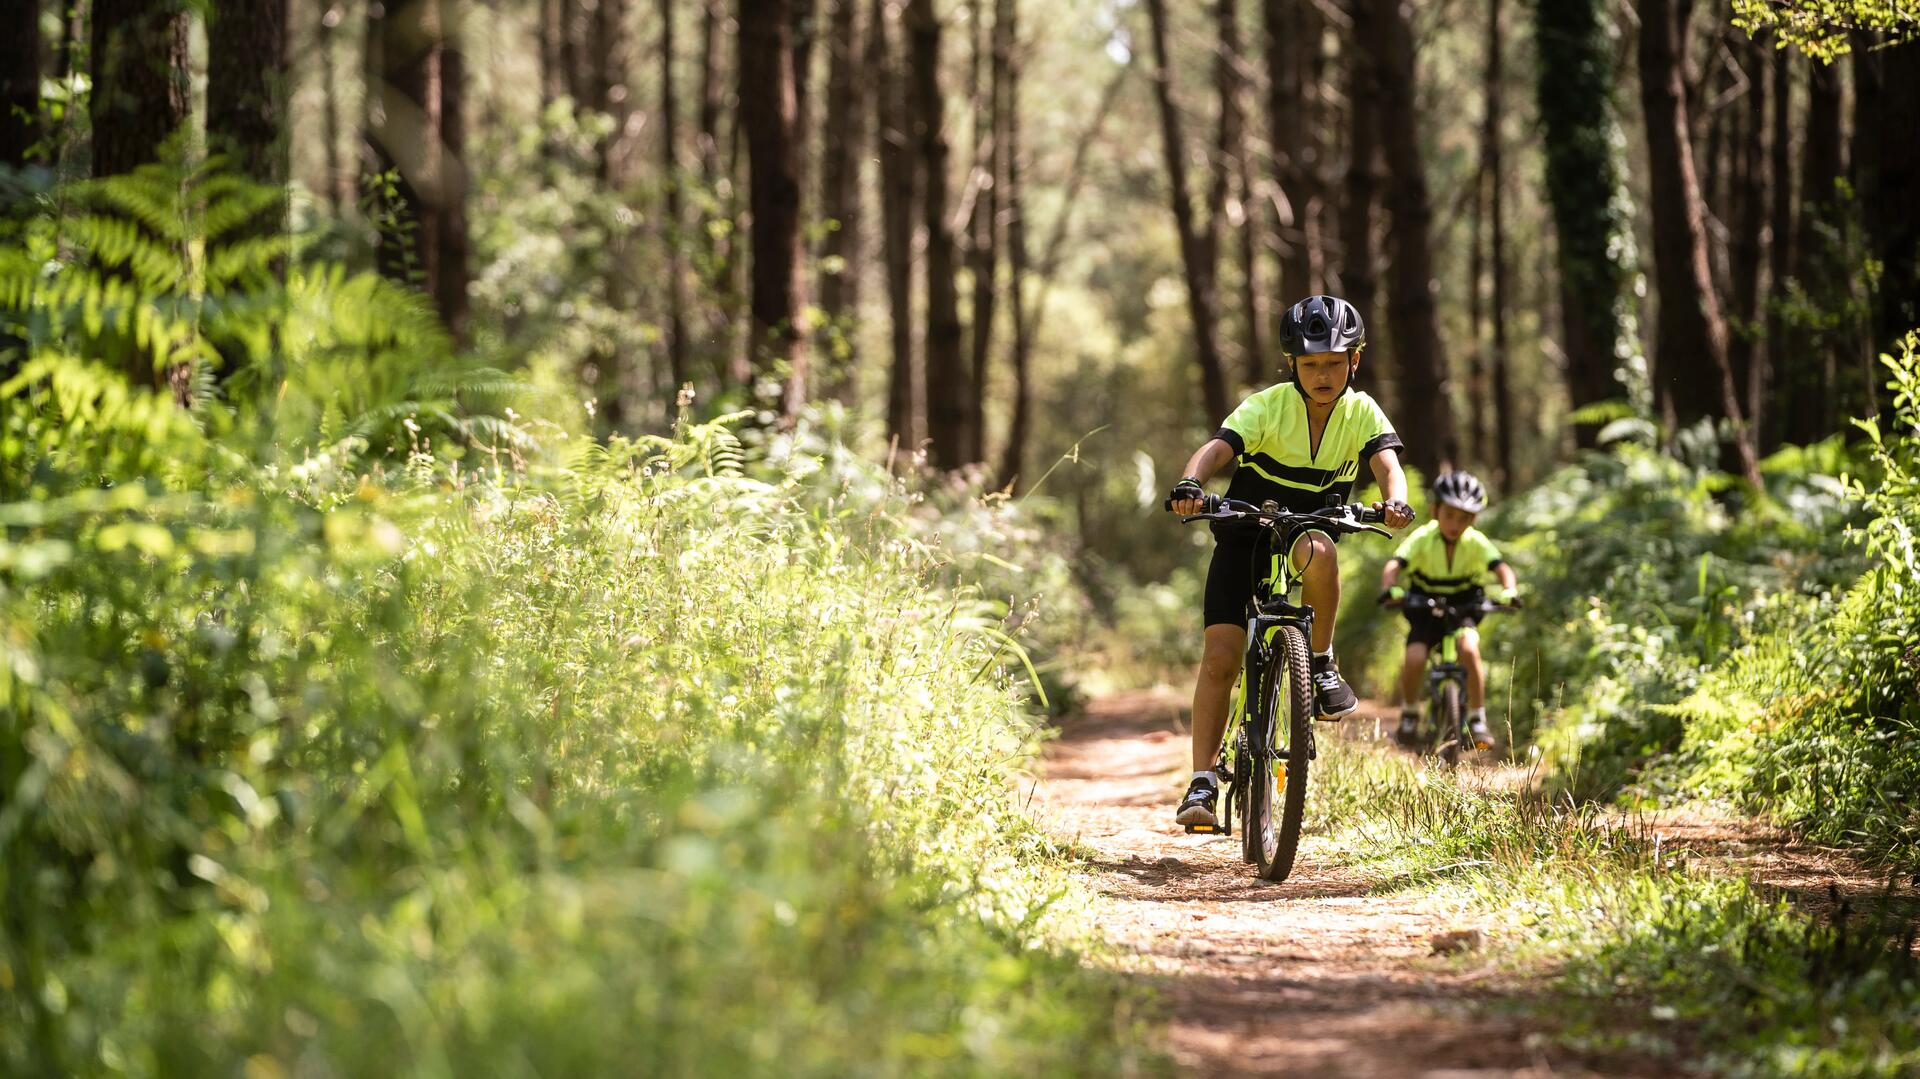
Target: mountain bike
{"points": [[1443, 722], [1269, 738]]}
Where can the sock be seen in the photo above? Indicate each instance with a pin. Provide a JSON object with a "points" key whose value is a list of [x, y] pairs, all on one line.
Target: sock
{"points": [[1209, 775], [1409, 712], [1477, 715], [1326, 656]]}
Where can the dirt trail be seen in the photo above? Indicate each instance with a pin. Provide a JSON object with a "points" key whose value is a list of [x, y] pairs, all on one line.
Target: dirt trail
{"points": [[1313, 977]]}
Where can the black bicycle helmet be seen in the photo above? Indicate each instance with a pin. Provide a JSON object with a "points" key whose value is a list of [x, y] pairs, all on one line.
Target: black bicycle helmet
{"points": [[1321, 324], [1461, 490]]}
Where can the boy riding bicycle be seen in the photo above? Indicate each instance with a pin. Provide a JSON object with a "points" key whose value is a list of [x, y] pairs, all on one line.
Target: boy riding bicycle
{"points": [[1446, 557], [1298, 443]]}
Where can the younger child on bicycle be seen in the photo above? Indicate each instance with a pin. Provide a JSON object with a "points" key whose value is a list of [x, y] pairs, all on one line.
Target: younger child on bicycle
{"points": [[1297, 443], [1447, 557]]}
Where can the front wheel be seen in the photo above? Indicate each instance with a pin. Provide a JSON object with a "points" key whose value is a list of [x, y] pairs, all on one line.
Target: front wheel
{"points": [[1280, 753], [1450, 715]]}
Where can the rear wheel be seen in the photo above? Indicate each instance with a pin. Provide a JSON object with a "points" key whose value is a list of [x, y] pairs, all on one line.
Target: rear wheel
{"points": [[1451, 714], [1277, 772]]}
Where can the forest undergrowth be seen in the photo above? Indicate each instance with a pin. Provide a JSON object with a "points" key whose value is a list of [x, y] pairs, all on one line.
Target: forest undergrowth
{"points": [[352, 722]]}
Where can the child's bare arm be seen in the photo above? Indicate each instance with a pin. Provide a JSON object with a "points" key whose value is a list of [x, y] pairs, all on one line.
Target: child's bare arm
{"points": [[1206, 461], [1393, 488], [1209, 459]]}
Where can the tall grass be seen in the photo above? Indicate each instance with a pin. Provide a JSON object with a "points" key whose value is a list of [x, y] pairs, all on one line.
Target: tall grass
{"points": [[345, 729], [635, 765], [1657, 948]]}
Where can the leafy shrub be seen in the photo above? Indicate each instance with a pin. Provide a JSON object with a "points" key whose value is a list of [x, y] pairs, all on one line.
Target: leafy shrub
{"points": [[1639, 572], [1815, 720]]}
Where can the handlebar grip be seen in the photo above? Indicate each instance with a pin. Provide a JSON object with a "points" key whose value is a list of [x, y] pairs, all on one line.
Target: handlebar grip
{"points": [[1208, 503]]}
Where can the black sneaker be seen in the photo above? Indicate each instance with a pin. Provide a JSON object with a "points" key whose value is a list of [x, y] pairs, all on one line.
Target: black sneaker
{"points": [[1197, 806], [1408, 732], [1330, 691]]}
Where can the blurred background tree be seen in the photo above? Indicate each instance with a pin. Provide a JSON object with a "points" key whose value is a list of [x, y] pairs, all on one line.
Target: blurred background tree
{"points": [[962, 224]]}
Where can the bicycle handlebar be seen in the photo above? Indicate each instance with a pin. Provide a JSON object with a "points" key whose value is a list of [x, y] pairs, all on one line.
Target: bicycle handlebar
{"points": [[1345, 517], [1442, 607]]}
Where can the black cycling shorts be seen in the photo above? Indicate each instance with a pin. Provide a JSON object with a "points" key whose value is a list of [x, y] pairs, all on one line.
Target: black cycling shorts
{"points": [[1230, 576], [1425, 627]]}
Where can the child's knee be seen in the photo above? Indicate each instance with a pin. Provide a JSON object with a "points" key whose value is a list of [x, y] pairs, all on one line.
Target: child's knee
{"points": [[1314, 553], [1219, 663], [1416, 655]]}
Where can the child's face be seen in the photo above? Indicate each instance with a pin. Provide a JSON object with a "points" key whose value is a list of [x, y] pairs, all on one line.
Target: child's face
{"points": [[1454, 521], [1323, 375]]}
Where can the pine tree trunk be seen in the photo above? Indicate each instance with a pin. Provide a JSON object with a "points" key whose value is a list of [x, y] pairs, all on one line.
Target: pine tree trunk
{"points": [[675, 230], [1780, 228], [338, 183], [1812, 411], [1425, 402], [1290, 134], [246, 107], [1478, 409], [1232, 205], [844, 247], [766, 89], [140, 81], [1747, 199], [1574, 90], [19, 82], [1503, 403], [456, 272], [1691, 340], [983, 257], [947, 381], [1196, 247], [1013, 456], [1886, 116], [1356, 265], [898, 203]]}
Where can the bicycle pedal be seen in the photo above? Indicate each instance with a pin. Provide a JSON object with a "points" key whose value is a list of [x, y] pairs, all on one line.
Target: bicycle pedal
{"points": [[1206, 829]]}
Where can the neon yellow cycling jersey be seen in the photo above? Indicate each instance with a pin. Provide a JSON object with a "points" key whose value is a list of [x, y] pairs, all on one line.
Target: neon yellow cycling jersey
{"points": [[1278, 459], [1432, 569]]}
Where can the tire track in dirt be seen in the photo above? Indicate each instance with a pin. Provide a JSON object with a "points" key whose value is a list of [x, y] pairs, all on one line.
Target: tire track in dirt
{"points": [[1312, 977]]}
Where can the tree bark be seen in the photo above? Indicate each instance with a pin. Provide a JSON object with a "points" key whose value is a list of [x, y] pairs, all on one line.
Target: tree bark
{"points": [[1290, 37], [1812, 405], [1886, 116], [947, 381], [1780, 224], [1233, 203], [19, 82], [844, 248], [456, 273], [898, 202], [338, 183], [1013, 456], [1356, 264], [675, 230], [1691, 340], [1502, 362], [1748, 220], [246, 66], [1425, 401], [766, 90], [1575, 93], [140, 91], [1196, 248], [983, 223]]}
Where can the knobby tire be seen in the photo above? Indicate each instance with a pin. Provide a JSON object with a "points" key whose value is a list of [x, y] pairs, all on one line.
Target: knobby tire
{"points": [[1286, 704]]}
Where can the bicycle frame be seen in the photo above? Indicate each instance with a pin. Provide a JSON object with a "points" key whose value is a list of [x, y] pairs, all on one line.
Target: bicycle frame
{"points": [[1268, 612]]}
